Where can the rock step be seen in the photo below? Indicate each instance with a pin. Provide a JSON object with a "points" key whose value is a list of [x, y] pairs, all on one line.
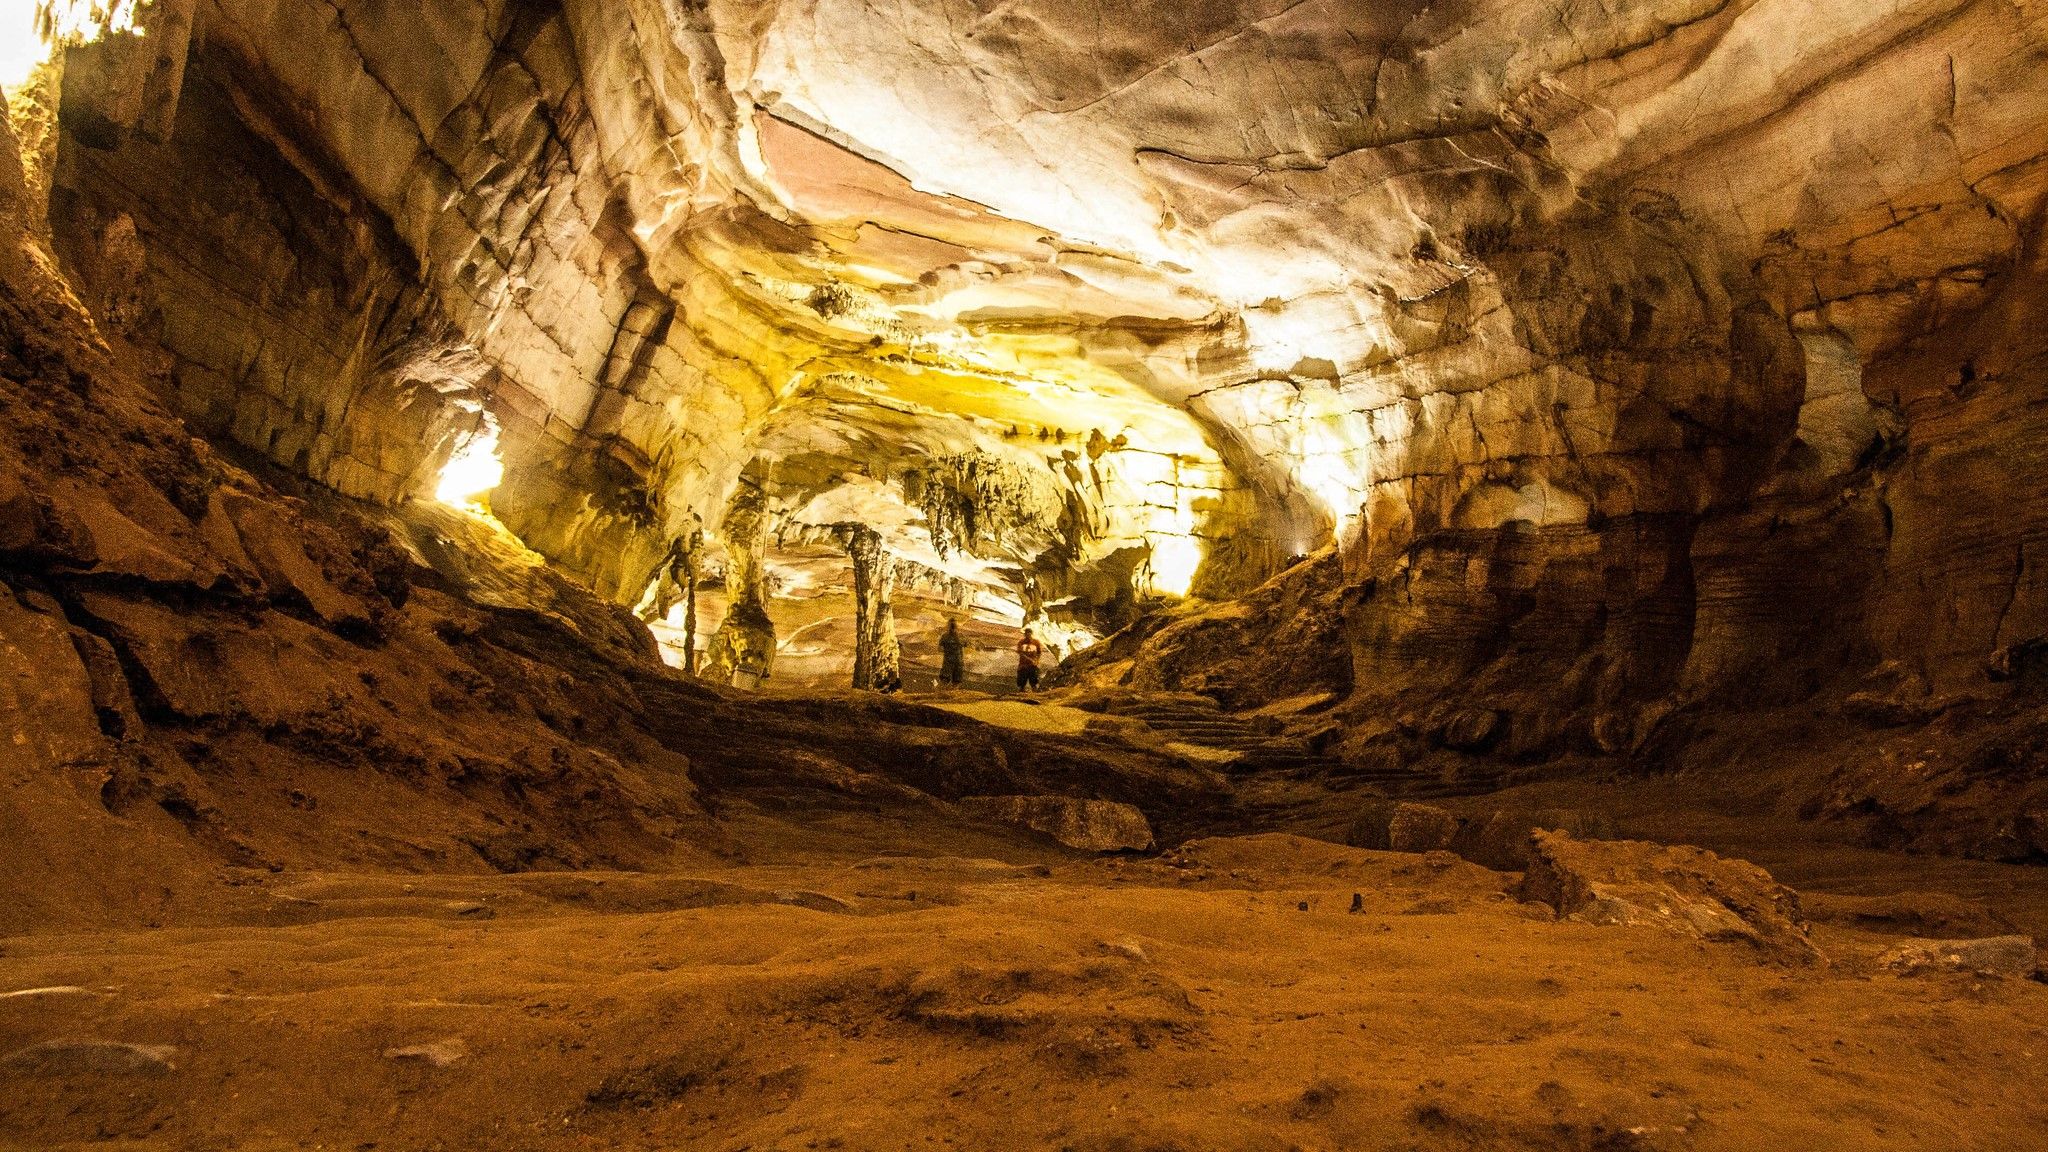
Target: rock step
{"points": [[1236, 743], [1241, 740], [1407, 784]]}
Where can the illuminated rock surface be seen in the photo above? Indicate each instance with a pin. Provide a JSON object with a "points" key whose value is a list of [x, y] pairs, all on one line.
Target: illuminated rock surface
{"points": [[1415, 424]]}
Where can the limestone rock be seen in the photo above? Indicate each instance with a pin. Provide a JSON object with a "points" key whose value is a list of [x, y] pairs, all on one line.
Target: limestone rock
{"points": [[273, 545], [1683, 890], [1089, 825], [2013, 957], [1499, 839], [47, 716], [434, 1054], [1421, 828], [114, 544], [93, 1057]]}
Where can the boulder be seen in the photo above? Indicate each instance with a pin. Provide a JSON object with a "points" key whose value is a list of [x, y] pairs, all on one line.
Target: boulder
{"points": [[46, 696], [21, 522], [1421, 828], [1502, 840], [1089, 825], [272, 543], [103, 539], [1498, 840], [1683, 890], [2007, 956]]}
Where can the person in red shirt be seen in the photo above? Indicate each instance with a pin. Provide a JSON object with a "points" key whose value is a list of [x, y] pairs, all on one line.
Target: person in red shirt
{"points": [[1028, 651]]}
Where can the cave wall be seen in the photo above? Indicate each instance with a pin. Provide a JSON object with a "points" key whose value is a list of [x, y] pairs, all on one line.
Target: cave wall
{"points": [[357, 243], [1606, 346], [1963, 582]]}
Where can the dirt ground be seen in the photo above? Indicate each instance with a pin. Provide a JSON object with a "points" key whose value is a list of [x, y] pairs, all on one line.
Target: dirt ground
{"points": [[845, 991]]}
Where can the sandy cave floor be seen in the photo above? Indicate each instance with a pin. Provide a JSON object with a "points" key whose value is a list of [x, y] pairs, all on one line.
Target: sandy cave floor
{"points": [[844, 992]]}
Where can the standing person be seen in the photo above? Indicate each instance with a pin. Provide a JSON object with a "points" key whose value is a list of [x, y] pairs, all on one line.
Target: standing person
{"points": [[951, 667], [1028, 651]]}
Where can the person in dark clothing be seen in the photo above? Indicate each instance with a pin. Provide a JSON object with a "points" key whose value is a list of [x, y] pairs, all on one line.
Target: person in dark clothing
{"points": [[951, 652], [1028, 651]]}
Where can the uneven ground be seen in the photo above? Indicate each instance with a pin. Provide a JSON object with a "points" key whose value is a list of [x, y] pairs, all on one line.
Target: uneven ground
{"points": [[888, 979]]}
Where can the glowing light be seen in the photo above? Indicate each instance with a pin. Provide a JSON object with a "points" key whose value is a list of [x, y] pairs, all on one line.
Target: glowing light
{"points": [[474, 469], [1325, 469], [1174, 560], [24, 46]]}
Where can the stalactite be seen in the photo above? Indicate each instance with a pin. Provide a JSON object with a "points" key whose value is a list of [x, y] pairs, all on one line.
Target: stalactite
{"points": [[973, 501]]}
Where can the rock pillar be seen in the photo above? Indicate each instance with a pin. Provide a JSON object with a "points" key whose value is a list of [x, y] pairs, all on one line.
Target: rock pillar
{"points": [[876, 656], [677, 582], [746, 641]]}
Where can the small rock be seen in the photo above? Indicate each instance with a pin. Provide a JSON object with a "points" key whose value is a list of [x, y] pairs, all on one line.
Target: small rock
{"points": [[1470, 730], [102, 1057], [439, 1054], [1880, 710], [2008, 956], [1128, 949], [817, 901]]}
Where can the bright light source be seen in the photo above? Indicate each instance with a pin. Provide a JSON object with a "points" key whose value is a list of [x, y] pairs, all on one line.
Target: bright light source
{"points": [[474, 469], [1174, 560], [20, 48], [23, 47]]}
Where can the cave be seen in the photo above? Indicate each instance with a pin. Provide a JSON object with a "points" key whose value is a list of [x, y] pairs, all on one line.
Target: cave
{"points": [[1178, 575]]}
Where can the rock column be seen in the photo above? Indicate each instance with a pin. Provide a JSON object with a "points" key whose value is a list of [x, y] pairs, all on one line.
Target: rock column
{"points": [[746, 641], [876, 656], [678, 583]]}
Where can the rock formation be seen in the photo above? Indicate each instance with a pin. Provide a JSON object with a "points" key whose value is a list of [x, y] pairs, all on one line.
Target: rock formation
{"points": [[488, 441], [875, 653]]}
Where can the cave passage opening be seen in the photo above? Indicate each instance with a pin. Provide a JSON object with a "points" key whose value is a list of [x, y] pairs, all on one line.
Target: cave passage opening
{"points": [[879, 506]]}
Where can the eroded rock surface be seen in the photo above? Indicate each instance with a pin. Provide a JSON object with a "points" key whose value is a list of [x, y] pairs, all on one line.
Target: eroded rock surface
{"points": [[2008, 956], [1684, 890]]}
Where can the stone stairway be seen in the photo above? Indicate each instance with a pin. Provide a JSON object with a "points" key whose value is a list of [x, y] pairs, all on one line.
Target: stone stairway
{"points": [[1197, 720], [1402, 782]]}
